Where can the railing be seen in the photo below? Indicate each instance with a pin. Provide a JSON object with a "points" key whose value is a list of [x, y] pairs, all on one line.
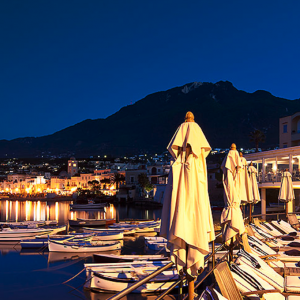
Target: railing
{"points": [[268, 215], [180, 281], [276, 177]]}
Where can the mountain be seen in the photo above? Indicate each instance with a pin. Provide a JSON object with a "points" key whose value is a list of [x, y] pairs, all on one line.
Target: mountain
{"points": [[225, 114]]}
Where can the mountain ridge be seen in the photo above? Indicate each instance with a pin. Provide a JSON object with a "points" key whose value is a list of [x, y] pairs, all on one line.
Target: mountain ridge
{"points": [[224, 113]]}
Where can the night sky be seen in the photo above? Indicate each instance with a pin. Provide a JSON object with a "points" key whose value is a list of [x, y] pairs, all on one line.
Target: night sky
{"points": [[64, 61]]}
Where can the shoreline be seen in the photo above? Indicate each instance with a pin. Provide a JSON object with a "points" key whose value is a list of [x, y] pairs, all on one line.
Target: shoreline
{"points": [[37, 199]]}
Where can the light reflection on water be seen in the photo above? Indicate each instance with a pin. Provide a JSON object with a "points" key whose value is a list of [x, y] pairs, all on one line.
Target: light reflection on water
{"points": [[14, 211], [30, 210]]}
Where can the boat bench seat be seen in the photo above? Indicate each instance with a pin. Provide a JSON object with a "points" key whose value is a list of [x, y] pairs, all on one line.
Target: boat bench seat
{"points": [[292, 284]]}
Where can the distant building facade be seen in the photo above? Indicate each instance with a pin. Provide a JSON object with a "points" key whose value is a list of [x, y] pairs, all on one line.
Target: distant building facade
{"points": [[72, 166], [289, 131]]}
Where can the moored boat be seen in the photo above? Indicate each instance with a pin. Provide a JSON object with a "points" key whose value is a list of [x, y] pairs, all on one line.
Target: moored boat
{"points": [[142, 227], [90, 222], [116, 282], [42, 241], [155, 239], [156, 243], [92, 246], [16, 234], [113, 258], [65, 256], [116, 277], [124, 231], [29, 224], [156, 246], [147, 229], [88, 206], [108, 236]]}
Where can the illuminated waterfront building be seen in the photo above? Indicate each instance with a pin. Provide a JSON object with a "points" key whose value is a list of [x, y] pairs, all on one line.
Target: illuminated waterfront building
{"points": [[72, 166]]}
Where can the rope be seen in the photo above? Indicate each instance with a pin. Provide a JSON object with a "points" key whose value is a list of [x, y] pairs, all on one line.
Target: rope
{"points": [[75, 289], [18, 243], [74, 276], [41, 249]]}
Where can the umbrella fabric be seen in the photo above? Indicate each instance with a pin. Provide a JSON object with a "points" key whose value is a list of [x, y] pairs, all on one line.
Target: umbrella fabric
{"points": [[246, 193], [253, 180], [231, 219], [286, 192], [186, 217]]}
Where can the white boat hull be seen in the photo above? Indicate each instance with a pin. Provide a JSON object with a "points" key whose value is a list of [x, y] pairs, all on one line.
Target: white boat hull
{"points": [[124, 231], [75, 247], [113, 286], [157, 246], [112, 258], [8, 234], [123, 267], [108, 237], [111, 281]]}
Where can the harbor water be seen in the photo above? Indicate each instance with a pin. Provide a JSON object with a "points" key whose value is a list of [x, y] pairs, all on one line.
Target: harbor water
{"points": [[36, 274]]}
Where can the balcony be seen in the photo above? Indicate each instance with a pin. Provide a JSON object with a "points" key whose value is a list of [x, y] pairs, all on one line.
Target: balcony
{"points": [[273, 180]]}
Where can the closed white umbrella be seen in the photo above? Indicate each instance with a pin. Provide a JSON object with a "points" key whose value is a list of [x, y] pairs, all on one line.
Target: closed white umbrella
{"points": [[245, 183], [186, 217], [286, 192], [253, 180], [232, 219]]}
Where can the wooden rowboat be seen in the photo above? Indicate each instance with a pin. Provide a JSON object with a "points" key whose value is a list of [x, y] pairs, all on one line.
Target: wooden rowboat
{"points": [[90, 222], [91, 246], [88, 206], [117, 277], [124, 231], [42, 241], [112, 258], [17, 234]]}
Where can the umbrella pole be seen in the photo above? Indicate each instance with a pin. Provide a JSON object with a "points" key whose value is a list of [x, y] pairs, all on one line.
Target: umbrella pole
{"points": [[190, 280], [191, 287], [231, 250], [286, 210], [250, 213]]}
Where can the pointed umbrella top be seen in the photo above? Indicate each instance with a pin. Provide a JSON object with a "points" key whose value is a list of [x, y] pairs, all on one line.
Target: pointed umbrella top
{"points": [[189, 117]]}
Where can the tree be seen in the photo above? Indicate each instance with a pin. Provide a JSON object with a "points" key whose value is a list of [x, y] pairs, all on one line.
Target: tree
{"points": [[117, 179], [257, 136], [149, 187], [105, 181], [144, 182], [95, 185]]}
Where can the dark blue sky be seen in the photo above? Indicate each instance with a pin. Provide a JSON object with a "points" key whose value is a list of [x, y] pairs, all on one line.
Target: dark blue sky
{"points": [[64, 61]]}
